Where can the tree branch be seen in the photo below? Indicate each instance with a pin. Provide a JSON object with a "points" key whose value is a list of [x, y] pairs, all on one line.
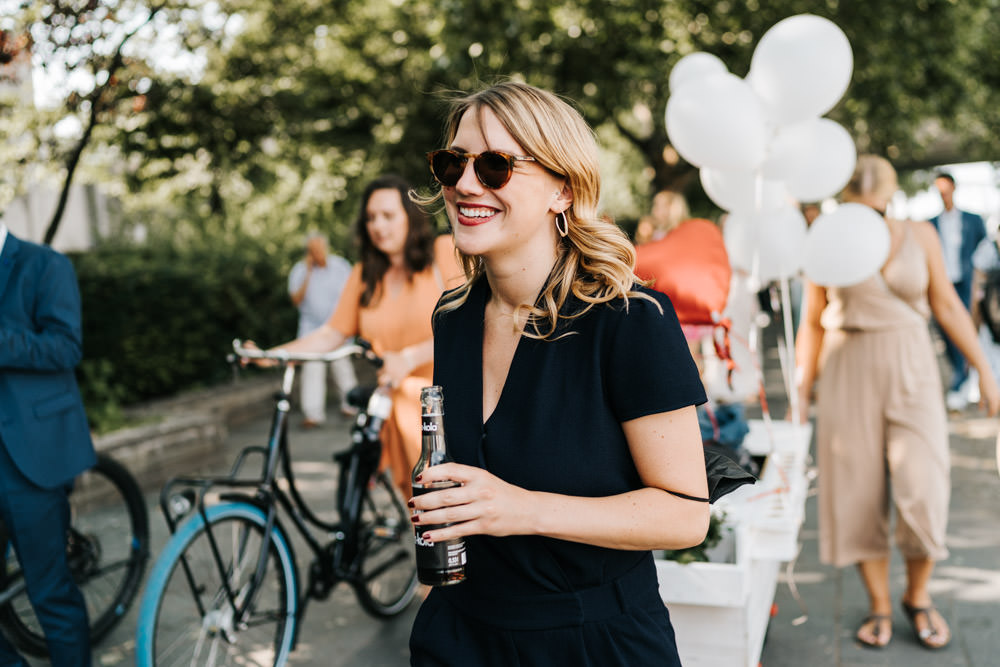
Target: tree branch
{"points": [[73, 161]]}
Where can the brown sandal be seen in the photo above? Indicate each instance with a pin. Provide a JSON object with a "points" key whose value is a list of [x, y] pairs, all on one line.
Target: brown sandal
{"points": [[924, 636], [876, 621]]}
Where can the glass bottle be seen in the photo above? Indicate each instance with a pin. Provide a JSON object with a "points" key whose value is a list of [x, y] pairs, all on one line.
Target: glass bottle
{"points": [[438, 563]]}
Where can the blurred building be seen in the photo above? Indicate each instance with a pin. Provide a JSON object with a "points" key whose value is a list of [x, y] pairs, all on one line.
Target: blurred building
{"points": [[89, 215]]}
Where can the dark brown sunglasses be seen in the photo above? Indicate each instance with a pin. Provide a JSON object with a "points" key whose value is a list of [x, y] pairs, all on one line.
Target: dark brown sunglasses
{"points": [[493, 168]]}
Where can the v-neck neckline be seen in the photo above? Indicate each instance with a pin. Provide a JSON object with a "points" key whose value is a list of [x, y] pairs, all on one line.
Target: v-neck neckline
{"points": [[484, 420]]}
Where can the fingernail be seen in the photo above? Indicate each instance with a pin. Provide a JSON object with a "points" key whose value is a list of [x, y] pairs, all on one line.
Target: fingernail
{"points": [[415, 518], [410, 503], [419, 477]]}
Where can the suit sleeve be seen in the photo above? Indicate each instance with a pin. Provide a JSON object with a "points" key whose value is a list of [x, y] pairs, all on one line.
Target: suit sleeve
{"points": [[55, 341]]}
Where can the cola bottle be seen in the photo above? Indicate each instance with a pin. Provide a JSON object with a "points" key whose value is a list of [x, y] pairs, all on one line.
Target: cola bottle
{"points": [[438, 563]]}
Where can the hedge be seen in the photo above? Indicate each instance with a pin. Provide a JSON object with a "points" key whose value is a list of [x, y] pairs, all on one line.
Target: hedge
{"points": [[158, 320]]}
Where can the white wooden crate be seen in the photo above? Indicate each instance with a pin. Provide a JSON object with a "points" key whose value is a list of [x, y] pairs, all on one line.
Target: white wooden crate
{"points": [[720, 611]]}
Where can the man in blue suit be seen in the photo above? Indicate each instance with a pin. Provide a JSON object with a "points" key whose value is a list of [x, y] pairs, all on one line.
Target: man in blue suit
{"points": [[44, 437], [960, 232]]}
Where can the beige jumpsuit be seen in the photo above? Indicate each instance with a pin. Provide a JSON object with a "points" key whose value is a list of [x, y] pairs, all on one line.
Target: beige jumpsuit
{"points": [[881, 426]]}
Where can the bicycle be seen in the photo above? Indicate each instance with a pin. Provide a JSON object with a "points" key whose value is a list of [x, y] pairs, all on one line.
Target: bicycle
{"points": [[107, 546], [225, 589]]}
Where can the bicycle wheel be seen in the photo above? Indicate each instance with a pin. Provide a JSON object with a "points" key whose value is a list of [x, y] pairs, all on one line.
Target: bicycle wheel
{"points": [[107, 547], [387, 575], [187, 616]]}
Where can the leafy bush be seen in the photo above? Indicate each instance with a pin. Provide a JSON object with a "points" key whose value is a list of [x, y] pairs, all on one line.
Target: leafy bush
{"points": [[158, 320]]}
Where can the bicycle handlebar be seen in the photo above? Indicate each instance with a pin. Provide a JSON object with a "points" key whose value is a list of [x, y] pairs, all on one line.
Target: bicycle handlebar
{"points": [[358, 347]]}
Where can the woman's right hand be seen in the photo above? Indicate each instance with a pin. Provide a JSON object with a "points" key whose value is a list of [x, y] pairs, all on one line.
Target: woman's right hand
{"points": [[262, 363], [484, 504]]}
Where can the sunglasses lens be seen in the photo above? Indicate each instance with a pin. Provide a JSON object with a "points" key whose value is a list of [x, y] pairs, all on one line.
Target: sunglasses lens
{"points": [[493, 169], [447, 167]]}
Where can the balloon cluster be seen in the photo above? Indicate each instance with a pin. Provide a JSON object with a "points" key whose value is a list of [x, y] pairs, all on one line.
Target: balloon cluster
{"points": [[762, 145]]}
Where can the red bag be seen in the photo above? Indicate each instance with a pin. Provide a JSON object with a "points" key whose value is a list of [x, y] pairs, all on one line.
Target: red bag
{"points": [[690, 265]]}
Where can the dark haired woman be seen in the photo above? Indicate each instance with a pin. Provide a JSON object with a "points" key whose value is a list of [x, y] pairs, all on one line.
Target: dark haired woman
{"points": [[388, 300]]}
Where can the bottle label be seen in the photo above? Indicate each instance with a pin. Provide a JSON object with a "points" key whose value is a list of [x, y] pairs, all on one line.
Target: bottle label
{"points": [[437, 556]]}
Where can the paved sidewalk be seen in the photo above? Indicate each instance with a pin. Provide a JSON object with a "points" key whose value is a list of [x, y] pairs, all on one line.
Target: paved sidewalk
{"points": [[336, 632], [818, 630]]}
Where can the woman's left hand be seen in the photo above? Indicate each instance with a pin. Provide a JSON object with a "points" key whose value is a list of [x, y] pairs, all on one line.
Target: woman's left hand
{"points": [[395, 368], [989, 394], [483, 505]]}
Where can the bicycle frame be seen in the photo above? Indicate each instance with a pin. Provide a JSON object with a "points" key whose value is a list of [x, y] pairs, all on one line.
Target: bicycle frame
{"points": [[358, 463]]}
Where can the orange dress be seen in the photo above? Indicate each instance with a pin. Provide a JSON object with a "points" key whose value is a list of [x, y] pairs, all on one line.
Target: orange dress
{"points": [[391, 323]]}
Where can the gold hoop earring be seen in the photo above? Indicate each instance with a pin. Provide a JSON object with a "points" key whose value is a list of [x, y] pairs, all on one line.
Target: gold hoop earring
{"points": [[564, 228]]}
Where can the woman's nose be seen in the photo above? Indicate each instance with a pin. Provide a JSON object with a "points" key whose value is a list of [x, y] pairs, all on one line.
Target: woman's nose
{"points": [[469, 182]]}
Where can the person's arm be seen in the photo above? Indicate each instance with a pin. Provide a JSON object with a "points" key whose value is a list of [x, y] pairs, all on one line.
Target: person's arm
{"points": [[399, 365], [808, 342], [299, 281], [953, 318], [667, 451], [331, 334], [55, 343]]}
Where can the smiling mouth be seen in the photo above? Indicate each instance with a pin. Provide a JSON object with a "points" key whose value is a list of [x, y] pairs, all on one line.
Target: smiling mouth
{"points": [[475, 215]]}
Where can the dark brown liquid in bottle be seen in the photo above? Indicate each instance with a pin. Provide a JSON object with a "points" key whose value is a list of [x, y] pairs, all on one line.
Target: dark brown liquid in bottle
{"points": [[438, 563]]}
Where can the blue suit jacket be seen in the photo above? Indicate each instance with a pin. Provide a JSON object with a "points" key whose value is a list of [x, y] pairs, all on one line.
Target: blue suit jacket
{"points": [[973, 231], [42, 420]]}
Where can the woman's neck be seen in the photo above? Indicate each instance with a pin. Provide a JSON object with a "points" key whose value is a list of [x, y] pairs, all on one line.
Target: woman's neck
{"points": [[517, 281], [397, 262]]}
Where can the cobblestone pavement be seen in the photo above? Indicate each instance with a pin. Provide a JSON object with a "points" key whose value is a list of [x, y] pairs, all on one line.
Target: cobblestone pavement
{"points": [[817, 629]]}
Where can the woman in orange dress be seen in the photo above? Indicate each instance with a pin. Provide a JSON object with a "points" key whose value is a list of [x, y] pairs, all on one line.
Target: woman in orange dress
{"points": [[388, 300]]}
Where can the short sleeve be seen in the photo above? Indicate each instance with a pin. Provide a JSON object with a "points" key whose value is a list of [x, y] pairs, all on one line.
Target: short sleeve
{"points": [[347, 316], [648, 367]]}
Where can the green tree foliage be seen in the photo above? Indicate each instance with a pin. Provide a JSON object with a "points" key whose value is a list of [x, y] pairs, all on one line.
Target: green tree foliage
{"points": [[292, 106]]}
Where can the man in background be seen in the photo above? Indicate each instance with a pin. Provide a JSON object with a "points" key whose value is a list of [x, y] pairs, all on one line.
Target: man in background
{"points": [[44, 437], [314, 285], [960, 232]]}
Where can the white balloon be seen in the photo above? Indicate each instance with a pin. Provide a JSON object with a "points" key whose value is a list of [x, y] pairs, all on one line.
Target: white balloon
{"points": [[846, 247], [717, 122], [738, 190], [801, 68], [771, 241], [693, 67], [815, 158]]}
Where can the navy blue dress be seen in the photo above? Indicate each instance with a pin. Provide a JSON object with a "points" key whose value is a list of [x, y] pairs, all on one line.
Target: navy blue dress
{"points": [[531, 600]]}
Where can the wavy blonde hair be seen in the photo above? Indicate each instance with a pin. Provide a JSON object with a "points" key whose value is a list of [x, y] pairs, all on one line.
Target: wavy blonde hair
{"points": [[595, 259]]}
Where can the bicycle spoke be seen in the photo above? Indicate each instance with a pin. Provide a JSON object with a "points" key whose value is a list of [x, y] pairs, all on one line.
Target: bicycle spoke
{"points": [[387, 578], [223, 565], [106, 552]]}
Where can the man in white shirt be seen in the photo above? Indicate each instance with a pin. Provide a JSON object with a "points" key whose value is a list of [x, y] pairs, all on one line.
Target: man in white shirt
{"points": [[960, 232], [314, 285]]}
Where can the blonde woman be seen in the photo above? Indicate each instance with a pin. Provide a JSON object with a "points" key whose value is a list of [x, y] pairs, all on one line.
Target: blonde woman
{"points": [[881, 429], [569, 406]]}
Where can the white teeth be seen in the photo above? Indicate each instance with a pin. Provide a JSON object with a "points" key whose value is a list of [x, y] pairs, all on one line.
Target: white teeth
{"points": [[475, 212]]}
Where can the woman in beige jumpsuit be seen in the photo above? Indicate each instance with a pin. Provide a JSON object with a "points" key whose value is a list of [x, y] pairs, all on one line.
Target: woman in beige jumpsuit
{"points": [[881, 426]]}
